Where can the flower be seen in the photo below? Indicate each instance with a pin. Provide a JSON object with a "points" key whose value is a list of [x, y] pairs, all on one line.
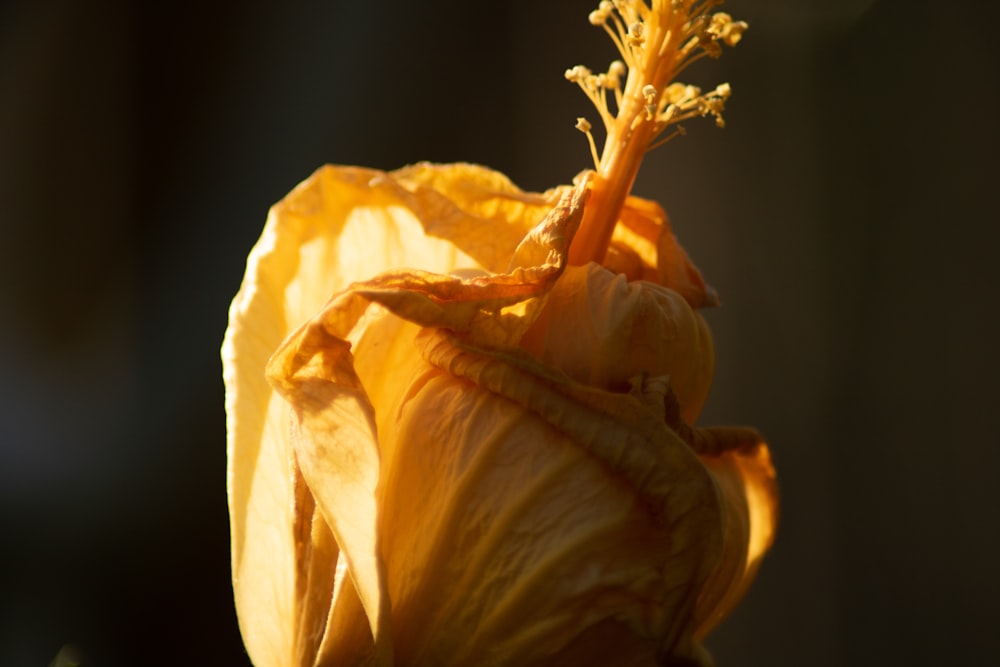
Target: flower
{"points": [[461, 415]]}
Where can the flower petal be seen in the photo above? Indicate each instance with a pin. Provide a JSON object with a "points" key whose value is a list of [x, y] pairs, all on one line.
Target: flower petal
{"points": [[602, 330], [333, 436], [477, 209], [644, 229], [339, 226], [505, 539], [747, 480], [539, 509]]}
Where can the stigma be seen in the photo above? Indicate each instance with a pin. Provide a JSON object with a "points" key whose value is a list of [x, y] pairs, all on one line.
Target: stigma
{"points": [[638, 98]]}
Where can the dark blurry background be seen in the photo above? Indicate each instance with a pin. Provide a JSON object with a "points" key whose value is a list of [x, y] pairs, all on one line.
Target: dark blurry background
{"points": [[846, 215]]}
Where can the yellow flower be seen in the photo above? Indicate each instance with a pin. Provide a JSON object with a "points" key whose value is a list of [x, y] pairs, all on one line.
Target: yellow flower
{"points": [[473, 441]]}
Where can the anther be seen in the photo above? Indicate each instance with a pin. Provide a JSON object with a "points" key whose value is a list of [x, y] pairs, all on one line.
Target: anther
{"points": [[617, 70], [724, 28], [583, 125], [712, 48], [700, 25], [577, 73], [601, 15], [734, 32], [635, 34]]}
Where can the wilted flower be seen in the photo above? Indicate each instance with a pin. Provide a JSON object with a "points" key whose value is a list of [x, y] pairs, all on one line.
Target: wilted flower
{"points": [[473, 442]]}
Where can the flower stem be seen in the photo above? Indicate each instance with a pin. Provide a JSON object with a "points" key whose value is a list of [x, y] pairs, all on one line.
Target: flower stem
{"points": [[609, 189]]}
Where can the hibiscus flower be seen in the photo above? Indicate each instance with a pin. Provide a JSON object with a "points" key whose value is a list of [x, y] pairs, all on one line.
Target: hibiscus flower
{"points": [[461, 416]]}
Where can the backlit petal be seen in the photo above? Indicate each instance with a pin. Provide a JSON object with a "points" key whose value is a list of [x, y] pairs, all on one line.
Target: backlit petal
{"points": [[341, 225], [747, 480]]}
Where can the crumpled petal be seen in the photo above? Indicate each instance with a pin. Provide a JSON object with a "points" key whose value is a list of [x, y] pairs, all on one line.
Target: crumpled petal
{"points": [[603, 330]]}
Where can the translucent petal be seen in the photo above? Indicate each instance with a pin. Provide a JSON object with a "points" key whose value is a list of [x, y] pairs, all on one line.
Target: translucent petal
{"points": [[341, 225], [477, 209], [747, 481]]}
